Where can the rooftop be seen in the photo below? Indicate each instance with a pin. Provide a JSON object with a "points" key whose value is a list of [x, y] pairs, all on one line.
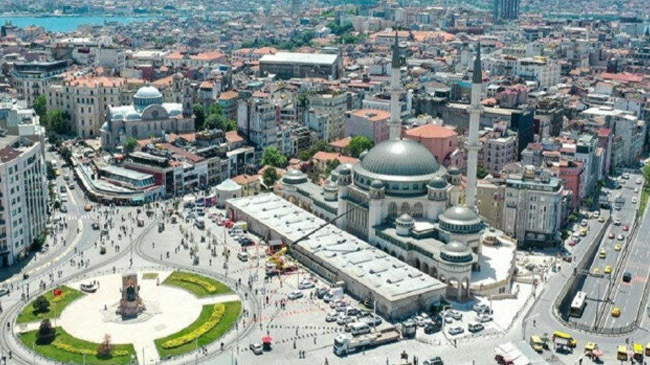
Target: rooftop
{"points": [[304, 58], [431, 131]]}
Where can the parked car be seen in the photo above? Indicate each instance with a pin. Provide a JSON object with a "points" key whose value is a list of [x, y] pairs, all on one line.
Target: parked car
{"points": [[453, 331], [626, 227], [256, 348], [617, 221], [295, 295], [343, 320], [332, 316], [611, 235], [584, 223], [627, 277], [95, 226], [372, 320], [475, 327], [305, 284], [484, 318], [481, 308], [320, 292], [620, 237], [639, 181], [327, 297], [431, 328], [455, 315]]}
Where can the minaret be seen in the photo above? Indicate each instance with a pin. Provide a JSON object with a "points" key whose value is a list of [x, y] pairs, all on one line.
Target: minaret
{"points": [[395, 131], [473, 145]]}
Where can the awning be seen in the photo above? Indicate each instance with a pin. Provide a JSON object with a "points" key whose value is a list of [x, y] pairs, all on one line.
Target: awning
{"points": [[267, 339]]}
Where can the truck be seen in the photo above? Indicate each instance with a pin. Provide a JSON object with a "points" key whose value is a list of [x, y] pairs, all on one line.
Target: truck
{"points": [[347, 344]]}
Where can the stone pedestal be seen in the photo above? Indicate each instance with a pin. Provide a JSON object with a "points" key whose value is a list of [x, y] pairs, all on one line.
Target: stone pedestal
{"points": [[131, 304]]}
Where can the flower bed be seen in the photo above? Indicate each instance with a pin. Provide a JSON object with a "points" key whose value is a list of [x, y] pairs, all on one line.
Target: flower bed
{"points": [[199, 285], [215, 317]]}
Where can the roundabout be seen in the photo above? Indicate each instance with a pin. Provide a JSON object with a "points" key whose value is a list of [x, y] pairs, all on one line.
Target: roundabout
{"points": [[151, 316]]}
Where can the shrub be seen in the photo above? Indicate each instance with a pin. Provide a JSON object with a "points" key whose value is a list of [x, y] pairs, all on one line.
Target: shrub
{"points": [[214, 319], [41, 304], [197, 280], [105, 349], [46, 333]]}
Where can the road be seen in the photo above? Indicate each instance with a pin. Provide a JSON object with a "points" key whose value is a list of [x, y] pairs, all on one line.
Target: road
{"points": [[629, 296], [596, 285]]}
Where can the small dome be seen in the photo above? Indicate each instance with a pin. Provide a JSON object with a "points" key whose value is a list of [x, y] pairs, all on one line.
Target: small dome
{"points": [[438, 183], [363, 155], [148, 92], [345, 171], [455, 246], [460, 214], [453, 171], [456, 251], [460, 220], [404, 219], [331, 186], [376, 184], [294, 176]]}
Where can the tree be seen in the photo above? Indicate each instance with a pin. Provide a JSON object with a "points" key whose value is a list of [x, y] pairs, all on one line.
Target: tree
{"points": [[331, 165], [41, 304], [55, 120], [105, 349], [481, 172], [199, 116], [130, 144], [270, 177], [646, 172], [589, 201], [305, 155], [273, 157], [51, 174], [40, 105], [46, 333], [358, 144]]}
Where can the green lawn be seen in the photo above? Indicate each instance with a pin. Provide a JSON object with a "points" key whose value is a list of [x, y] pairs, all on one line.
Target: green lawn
{"points": [[57, 354], [229, 317], [150, 276], [57, 304], [199, 285]]}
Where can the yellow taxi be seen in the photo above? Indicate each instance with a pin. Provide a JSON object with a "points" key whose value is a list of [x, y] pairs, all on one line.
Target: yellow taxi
{"points": [[88, 208], [601, 219], [616, 311], [603, 253], [608, 269], [617, 247], [596, 271], [57, 172]]}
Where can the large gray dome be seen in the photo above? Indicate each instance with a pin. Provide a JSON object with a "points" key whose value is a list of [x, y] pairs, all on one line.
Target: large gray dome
{"points": [[460, 219], [400, 157]]}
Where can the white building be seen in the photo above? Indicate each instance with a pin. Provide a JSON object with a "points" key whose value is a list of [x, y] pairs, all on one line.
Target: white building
{"points": [[533, 208], [23, 198], [256, 119], [540, 69], [31, 78]]}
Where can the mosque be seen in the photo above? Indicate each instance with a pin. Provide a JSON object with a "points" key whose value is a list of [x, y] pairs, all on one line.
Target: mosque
{"points": [[401, 200]]}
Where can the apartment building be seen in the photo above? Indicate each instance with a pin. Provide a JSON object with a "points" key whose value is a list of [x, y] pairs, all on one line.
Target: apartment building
{"points": [[31, 78]]}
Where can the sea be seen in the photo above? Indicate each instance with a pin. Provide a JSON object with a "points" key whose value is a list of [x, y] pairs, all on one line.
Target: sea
{"points": [[67, 23]]}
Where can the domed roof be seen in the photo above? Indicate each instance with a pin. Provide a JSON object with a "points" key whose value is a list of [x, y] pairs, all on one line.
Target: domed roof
{"points": [[400, 157], [404, 219], [331, 186], [438, 183], [377, 184], [453, 171], [455, 247], [460, 214], [345, 170], [363, 155], [148, 92], [294, 176]]}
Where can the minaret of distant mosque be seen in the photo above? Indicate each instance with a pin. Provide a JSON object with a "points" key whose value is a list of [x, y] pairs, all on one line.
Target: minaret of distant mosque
{"points": [[473, 145], [395, 131]]}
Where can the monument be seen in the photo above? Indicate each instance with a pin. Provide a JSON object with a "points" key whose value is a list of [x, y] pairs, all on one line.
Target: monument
{"points": [[131, 304]]}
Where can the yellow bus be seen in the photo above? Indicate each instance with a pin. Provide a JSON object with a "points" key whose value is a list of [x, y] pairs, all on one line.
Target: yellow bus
{"points": [[572, 342]]}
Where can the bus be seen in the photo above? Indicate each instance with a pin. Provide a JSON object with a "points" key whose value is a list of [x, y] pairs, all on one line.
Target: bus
{"points": [[578, 304], [568, 339]]}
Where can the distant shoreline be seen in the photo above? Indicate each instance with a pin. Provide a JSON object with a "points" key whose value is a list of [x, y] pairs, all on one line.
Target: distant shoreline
{"points": [[89, 15]]}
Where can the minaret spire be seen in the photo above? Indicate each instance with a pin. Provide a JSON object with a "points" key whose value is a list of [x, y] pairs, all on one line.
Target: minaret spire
{"points": [[395, 131], [473, 145]]}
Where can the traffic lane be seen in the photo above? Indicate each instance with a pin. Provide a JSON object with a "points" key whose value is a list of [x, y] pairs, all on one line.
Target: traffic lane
{"points": [[628, 296]]}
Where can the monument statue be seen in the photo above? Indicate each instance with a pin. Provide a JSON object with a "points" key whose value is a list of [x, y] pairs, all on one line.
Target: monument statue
{"points": [[131, 304]]}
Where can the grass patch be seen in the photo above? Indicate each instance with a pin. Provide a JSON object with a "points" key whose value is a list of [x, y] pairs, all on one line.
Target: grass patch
{"points": [[229, 317], [199, 285], [150, 276], [50, 351], [57, 304], [645, 193]]}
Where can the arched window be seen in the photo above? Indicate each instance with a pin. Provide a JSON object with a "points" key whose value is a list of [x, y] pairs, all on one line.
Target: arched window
{"points": [[418, 210], [405, 209], [392, 210]]}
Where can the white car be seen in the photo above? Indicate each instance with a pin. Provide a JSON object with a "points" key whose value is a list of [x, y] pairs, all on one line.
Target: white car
{"points": [[634, 200], [620, 237], [88, 287], [483, 318], [305, 284], [295, 295], [455, 331], [584, 223], [617, 221], [639, 181], [455, 315], [475, 327], [256, 348], [342, 320], [596, 214], [332, 316]]}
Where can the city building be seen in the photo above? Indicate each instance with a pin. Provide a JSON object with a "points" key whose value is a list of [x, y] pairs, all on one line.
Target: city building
{"points": [[147, 116], [256, 120], [533, 208], [441, 141], [23, 197], [505, 10], [31, 78], [498, 148], [370, 123], [287, 65]]}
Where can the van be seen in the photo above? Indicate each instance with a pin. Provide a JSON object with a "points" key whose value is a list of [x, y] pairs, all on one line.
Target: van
{"points": [[359, 328], [64, 198], [243, 256], [199, 223]]}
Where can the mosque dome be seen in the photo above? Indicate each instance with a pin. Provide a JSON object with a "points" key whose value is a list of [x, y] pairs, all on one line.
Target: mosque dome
{"points": [[376, 184], [147, 95], [454, 171], [456, 251], [460, 219], [401, 157], [294, 176], [438, 183], [404, 219]]}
